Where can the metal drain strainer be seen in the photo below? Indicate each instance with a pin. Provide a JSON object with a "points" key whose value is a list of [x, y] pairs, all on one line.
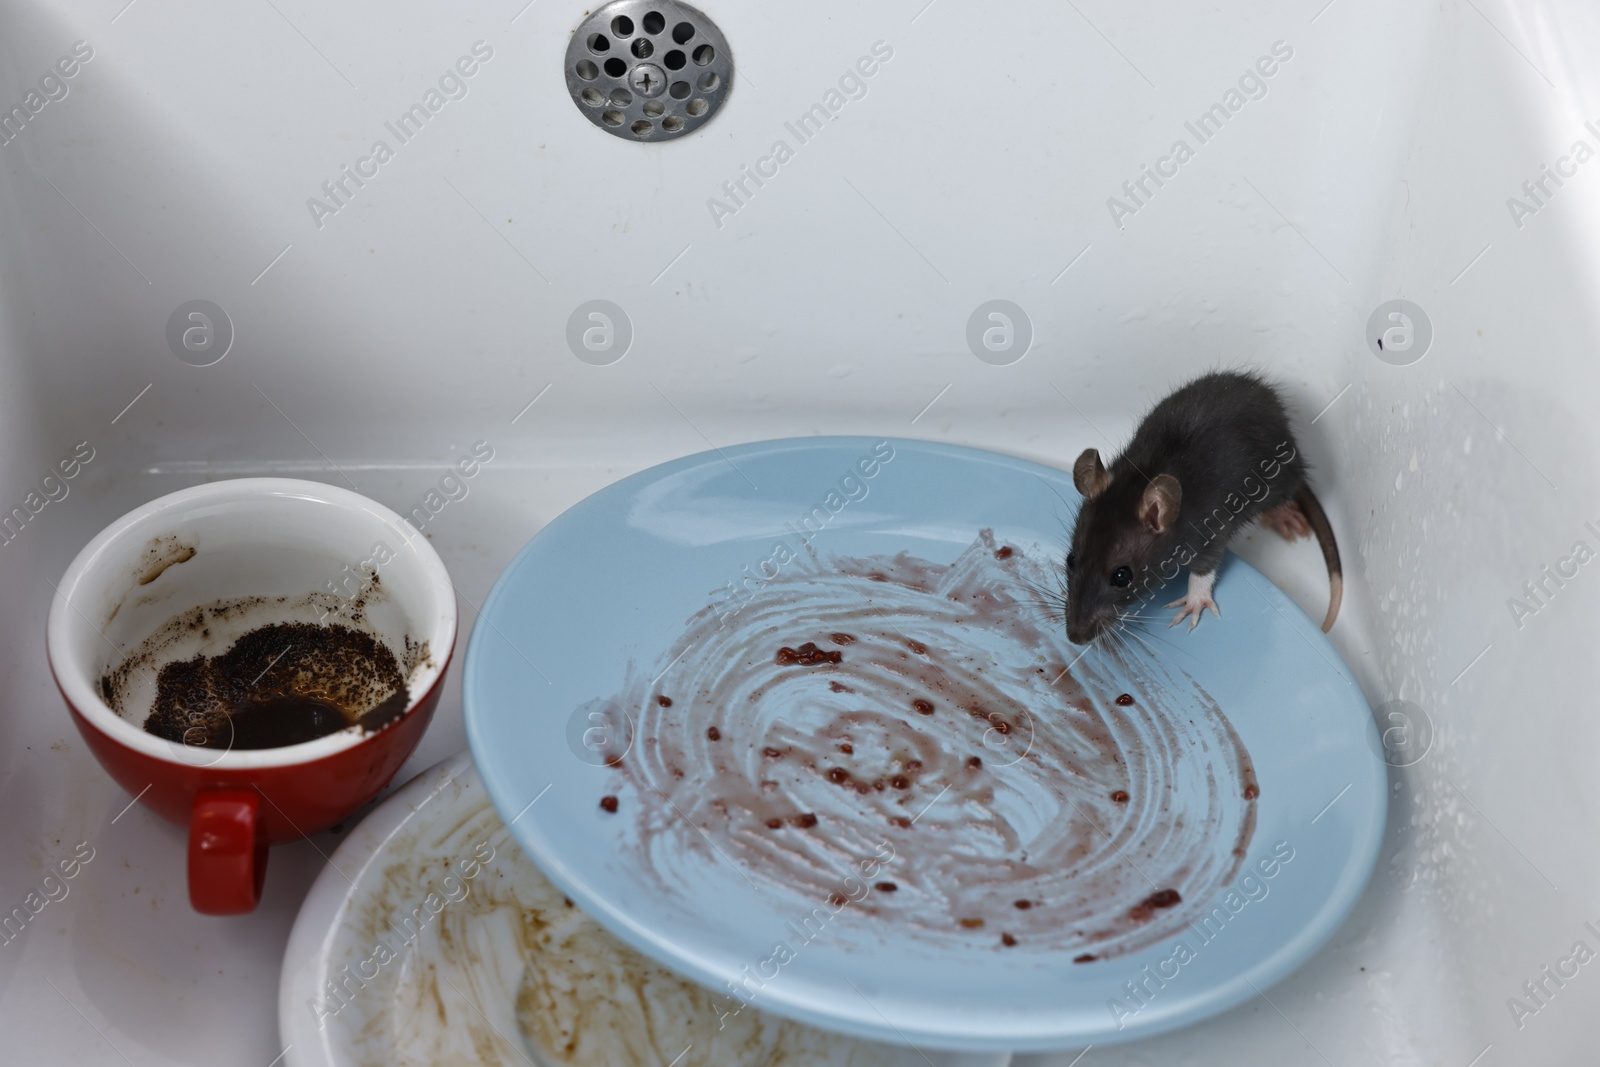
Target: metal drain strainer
{"points": [[648, 70]]}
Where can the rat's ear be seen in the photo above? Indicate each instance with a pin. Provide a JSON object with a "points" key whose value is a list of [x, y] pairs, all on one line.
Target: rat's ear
{"points": [[1158, 508], [1089, 474]]}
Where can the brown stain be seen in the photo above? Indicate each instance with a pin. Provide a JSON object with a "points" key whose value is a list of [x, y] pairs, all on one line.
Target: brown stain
{"points": [[160, 552], [176, 555], [280, 684], [807, 655], [417, 656], [1161, 898], [129, 681], [1091, 791], [583, 1000]]}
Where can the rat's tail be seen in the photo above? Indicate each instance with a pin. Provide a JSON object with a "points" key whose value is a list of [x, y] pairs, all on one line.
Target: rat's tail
{"points": [[1312, 508]]}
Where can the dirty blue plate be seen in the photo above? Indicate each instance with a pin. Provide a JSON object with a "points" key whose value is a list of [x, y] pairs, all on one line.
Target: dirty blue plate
{"points": [[605, 590]]}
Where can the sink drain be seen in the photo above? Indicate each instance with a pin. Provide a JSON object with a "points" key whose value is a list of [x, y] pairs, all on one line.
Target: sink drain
{"points": [[648, 70]]}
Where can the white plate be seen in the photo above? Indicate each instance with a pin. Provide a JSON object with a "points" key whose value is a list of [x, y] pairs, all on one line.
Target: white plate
{"points": [[363, 986]]}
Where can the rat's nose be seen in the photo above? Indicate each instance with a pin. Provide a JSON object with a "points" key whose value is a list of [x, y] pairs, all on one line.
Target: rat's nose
{"points": [[1083, 624]]}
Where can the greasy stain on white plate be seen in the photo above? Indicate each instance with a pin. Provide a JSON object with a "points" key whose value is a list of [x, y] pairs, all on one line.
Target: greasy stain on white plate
{"points": [[463, 952]]}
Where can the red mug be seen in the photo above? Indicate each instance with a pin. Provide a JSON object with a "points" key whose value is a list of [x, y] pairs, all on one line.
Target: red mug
{"points": [[246, 553]]}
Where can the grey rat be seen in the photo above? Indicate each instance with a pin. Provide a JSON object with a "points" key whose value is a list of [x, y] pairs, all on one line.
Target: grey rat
{"points": [[1210, 458]]}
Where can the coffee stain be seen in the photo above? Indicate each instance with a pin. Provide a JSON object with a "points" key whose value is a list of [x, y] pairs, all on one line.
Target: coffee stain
{"points": [[951, 727], [162, 552], [339, 659], [291, 681]]}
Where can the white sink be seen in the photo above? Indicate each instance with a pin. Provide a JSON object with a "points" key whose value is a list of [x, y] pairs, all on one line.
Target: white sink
{"points": [[374, 345]]}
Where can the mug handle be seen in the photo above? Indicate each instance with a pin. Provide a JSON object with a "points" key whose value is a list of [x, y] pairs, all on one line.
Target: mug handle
{"points": [[227, 852]]}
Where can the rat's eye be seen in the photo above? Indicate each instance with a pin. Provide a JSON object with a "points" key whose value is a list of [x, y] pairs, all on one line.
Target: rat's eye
{"points": [[1072, 561], [1122, 576]]}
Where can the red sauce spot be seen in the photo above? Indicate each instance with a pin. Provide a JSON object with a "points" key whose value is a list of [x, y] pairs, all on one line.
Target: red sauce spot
{"points": [[863, 787], [1007, 940], [917, 646], [842, 639], [665, 702], [1087, 957], [805, 822], [771, 753], [568, 901], [1024, 905], [847, 748], [900, 821], [613, 761], [837, 900], [838, 775], [609, 803], [971, 924], [900, 781], [1000, 725], [885, 887], [1125, 699], [1251, 791], [713, 734], [839, 687], [773, 824], [914, 765], [877, 577], [974, 762], [807, 655], [1120, 796], [877, 783], [1161, 898], [1003, 552], [924, 706]]}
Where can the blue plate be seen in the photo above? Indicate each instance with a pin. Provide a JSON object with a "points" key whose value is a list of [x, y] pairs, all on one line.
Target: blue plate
{"points": [[1034, 904]]}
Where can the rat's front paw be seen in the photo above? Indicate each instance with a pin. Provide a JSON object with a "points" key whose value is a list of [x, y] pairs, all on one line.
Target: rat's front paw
{"points": [[1196, 601]]}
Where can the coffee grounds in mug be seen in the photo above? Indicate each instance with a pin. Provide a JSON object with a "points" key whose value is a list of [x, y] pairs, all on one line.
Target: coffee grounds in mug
{"points": [[278, 685]]}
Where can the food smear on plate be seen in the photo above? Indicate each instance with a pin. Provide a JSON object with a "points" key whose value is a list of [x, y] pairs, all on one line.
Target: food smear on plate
{"points": [[455, 949], [930, 722]]}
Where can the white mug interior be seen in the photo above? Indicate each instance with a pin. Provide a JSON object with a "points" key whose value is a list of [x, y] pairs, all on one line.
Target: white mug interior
{"points": [[242, 554]]}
